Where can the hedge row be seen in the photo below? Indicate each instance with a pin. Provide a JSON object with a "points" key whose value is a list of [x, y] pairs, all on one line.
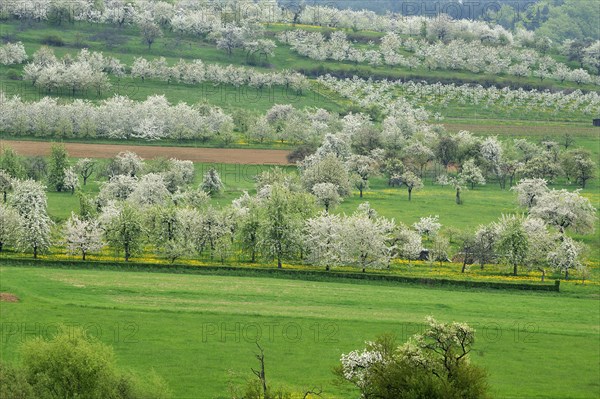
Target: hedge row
{"points": [[309, 275]]}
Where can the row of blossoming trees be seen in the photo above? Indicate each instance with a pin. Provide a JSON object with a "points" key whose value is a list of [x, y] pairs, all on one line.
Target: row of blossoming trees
{"points": [[91, 70], [442, 96], [437, 43], [403, 142], [456, 55], [153, 207]]}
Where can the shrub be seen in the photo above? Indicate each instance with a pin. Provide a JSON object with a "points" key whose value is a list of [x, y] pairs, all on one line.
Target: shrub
{"points": [[300, 152], [12, 74], [73, 365], [53, 40]]}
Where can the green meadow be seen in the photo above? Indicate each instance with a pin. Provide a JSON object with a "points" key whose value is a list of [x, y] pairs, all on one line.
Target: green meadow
{"points": [[198, 332]]}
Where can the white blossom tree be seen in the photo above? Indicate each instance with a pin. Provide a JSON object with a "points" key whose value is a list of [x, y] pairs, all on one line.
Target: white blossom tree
{"points": [[366, 240], [566, 210], [30, 201], [150, 190], [566, 256], [327, 195], [484, 244], [12, 53], [118, 188], [128, 163], [471, 173], [150, 31], [541, 242], [512, 244], [529, 191], [280, 225], [324, 240], [9, 224], [124, 230], [83, 236], [361, 167], [70, 180], [412, 182], [409, 243], [211, 183], [428, 226], [329, 169]]}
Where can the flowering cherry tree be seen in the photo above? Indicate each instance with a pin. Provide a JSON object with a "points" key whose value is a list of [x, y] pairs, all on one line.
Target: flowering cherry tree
{"points": [[83, 236], [566, 210], [30, 201], [9, 224], [566, 256]]}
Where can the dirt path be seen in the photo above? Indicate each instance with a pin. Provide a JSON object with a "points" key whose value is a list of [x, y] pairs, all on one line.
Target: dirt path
{"points": [[206, 155]]}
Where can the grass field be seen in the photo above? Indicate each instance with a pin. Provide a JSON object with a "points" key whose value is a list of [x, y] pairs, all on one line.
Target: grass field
{"points": [[198, 330]]}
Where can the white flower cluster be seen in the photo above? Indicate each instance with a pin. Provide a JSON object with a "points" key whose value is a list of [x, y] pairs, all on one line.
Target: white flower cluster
{"points": [[12, 53], [428, 226], [355, 364], [362, 239]]}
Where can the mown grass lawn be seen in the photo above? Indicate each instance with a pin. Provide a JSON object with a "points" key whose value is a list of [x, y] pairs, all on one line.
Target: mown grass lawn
{"points": [[199, 331]]}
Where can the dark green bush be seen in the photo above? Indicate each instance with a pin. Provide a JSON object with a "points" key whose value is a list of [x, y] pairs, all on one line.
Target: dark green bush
{"points": [[53, 40]]}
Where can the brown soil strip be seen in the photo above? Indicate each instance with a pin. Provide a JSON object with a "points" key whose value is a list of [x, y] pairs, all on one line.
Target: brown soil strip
{"points": [[6, 297], [205, 155]]}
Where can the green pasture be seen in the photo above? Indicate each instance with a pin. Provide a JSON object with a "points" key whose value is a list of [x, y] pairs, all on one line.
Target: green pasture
{"points": [[198, 332]]}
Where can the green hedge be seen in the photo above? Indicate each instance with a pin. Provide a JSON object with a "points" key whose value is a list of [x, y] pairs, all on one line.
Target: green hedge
{"points": [[310, 275]]}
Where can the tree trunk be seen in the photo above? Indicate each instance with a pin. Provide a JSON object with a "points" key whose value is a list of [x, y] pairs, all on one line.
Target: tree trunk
{"points": [[567, 274], [361, 192], [409, 193], [543, 273], [35, 251], [515, 269], [458, 197], [464, 264], [4, 196], [279, 263]]}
